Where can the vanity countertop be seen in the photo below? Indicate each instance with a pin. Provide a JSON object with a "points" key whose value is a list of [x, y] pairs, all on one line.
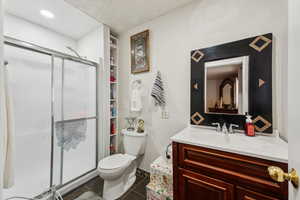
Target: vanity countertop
{"points": [[265, 147]]}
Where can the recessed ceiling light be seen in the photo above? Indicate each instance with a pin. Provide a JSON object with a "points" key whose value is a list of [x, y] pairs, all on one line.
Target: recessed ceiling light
{"points": [[47, 14]]}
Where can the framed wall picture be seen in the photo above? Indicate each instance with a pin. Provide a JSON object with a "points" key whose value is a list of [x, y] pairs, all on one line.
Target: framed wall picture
{"points": [[139, 44]]}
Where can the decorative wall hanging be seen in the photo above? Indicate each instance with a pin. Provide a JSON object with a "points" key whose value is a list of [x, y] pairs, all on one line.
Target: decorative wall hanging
{"points": [[197, 55], [261, 124], [197, 118], [196, 87], [260, 42], [140, 52], [208, 105], [261, 82]]}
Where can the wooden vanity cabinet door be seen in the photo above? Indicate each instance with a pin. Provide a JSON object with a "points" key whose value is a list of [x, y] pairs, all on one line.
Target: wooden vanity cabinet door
{"points": [[239, 170], [203, 173], [244, 194], [194, 186]]}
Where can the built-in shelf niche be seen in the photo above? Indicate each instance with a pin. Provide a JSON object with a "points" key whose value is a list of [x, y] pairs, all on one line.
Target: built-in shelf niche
{"points": [[113, 81]]}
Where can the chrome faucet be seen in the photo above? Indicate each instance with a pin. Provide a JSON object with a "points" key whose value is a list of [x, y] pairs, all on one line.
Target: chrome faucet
{"points": [[218, 126], [231, 128], [224, 129]]}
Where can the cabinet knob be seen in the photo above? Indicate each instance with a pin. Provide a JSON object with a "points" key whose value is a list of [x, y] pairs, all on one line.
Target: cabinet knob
{"points": [[277, 174]]}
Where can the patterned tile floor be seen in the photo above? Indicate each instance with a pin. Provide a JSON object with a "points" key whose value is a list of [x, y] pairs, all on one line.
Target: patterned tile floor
{"points": [[95, 186]]}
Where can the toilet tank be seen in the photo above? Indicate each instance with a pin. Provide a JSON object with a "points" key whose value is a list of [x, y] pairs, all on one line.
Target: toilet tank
{"points": [[134, 143]]}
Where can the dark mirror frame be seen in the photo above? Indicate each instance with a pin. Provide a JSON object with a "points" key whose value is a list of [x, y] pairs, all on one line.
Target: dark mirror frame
{"points": [[259, 50]]}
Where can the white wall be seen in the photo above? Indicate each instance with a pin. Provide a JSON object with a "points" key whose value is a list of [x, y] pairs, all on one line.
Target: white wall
{"points": [[91, 45], [1, 120], [201, 24], [24, 30]]}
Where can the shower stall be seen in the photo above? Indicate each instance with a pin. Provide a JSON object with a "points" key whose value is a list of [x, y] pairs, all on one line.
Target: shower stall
{"points": [[55, 111]]}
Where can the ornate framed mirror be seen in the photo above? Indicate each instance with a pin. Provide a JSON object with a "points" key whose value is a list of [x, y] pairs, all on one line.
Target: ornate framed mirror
{"points": [[230, 79]]}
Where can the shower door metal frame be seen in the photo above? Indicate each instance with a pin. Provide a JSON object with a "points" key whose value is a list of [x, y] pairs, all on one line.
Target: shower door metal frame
{"points": [[56, 54], [61, 184]]}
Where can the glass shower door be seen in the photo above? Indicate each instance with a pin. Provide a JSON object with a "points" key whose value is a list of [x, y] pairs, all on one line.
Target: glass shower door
{"points": [[29, 82], [54, 103], [74, 120]]}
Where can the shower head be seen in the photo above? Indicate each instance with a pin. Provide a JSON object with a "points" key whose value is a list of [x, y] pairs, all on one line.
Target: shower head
{"points": [[76, 53]]}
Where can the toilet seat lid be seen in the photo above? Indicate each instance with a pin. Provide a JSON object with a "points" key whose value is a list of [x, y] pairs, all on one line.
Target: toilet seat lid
{"points": [[114, 161]]}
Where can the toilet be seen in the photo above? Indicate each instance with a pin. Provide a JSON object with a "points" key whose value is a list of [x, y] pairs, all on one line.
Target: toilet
{"points": [[119, 170]]}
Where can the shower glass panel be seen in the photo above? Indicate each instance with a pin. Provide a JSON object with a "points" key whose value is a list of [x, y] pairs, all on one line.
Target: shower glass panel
{"points": [[75, 120], [29, 81], [54, 100], [82, 159], [79, 90]]}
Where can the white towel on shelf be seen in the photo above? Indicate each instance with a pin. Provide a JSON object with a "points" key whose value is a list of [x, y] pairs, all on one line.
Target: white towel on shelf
{"points": [[136, 104], [158, 92], [7, 129]]}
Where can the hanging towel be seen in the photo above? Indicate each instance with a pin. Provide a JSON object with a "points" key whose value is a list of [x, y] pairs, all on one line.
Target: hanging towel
{"points": [[70, 133], [158, 92], [136, 96], [7, 129]]}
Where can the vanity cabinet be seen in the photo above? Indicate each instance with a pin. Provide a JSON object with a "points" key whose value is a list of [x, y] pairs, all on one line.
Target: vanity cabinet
{"points": [[192, 186], [209, 174]]}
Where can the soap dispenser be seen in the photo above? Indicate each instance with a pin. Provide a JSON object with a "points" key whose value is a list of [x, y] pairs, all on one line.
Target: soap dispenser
{"points": [[249, 126]]}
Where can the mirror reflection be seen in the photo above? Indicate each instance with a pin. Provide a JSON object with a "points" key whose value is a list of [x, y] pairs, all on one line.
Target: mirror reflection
{"points": [[226, 86]]}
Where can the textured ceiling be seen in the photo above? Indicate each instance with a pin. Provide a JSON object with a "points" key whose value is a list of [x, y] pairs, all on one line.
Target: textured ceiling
{"points": [[122, 15]]}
